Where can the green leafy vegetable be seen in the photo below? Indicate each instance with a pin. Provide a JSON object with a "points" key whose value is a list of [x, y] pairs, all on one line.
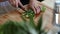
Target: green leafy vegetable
{"points": [[28, 13], [43, 8]]}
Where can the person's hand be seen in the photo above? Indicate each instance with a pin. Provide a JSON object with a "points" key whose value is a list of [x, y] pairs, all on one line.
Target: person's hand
{"points": [[16, 3], [35, 6]]}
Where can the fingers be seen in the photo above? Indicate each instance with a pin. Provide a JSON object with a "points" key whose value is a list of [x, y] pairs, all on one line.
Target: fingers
{"points": [[16, 3], [38, 10], [12, 2], [23, 7], [34, 9]]}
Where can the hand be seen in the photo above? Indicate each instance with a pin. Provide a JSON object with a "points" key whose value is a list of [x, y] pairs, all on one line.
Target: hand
{"points": [[35, 6], [16, 3]]}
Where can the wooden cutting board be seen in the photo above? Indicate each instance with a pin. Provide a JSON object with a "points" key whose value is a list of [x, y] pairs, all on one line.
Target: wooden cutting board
{"points": [[15, 16]]}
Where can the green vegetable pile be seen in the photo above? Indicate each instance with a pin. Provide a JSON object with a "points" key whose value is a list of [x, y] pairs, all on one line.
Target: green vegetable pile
{"points": [[14, 27], [28, 13], [31, 13]]}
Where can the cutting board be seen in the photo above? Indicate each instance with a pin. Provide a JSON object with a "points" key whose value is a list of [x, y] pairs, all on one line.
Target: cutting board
{"points": [[15, 16]]}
